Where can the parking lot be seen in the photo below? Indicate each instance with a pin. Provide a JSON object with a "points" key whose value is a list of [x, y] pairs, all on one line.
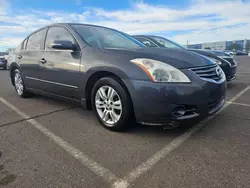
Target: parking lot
{"points": [[50, 143]]}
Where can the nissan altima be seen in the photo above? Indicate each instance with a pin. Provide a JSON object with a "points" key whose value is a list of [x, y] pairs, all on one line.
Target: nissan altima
{"points": [[117, 76]]}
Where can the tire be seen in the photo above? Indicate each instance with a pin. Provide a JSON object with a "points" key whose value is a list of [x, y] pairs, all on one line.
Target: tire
{"points": [[113, 108], [19, 85]]}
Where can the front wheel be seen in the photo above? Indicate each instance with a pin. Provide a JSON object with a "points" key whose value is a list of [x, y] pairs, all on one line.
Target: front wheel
{"points": [[19, 85], [112, 104]]}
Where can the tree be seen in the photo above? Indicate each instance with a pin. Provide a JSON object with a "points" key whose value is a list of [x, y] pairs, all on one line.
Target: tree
{"points": [[207, 48]]}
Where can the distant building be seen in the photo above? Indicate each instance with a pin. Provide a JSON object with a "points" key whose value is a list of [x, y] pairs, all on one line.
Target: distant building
{"points": [[195, 46], [223, 45], [214, 45]]}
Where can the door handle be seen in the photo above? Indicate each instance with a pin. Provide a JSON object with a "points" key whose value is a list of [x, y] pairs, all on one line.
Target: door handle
{"points": [[43, 61], [19, 57]]}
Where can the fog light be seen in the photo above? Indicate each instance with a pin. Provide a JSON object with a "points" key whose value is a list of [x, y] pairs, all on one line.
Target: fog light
{"points": [[179, 111]]}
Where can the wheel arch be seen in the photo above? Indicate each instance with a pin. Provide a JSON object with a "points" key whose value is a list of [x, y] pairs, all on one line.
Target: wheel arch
{"points": [[97, 74], [12, 67]]}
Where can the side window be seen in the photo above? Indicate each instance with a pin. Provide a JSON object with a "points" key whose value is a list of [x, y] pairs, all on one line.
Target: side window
{"points": [[36, 41], [25, 44], [58, 33], [147, 42]]}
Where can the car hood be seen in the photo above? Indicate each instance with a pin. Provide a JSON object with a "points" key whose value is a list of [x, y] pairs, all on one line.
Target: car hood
{"points": [[176, 57]]}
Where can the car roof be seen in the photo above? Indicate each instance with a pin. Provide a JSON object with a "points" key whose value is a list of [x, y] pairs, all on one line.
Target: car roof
{"points": [[69, 25], [66, 25]]}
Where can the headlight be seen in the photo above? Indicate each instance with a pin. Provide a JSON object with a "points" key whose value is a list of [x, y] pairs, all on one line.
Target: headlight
{"points": [[215, 61], [160, 72]]}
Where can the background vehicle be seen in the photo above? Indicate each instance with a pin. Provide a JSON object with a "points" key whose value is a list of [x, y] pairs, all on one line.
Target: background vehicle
{"points": [[117, 76], [229, 52], [226, 62], [240, 53], [3, 62]]}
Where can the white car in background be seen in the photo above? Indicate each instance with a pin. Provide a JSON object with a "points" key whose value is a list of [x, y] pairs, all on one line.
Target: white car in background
{"points": [[3, 63], [229, 52]]}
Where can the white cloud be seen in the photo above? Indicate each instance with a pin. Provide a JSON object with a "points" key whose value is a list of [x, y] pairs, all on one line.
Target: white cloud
{"points": [[202, 21], [11, 41], [143, 12], [4, 7], [219, 34], [7, 29]]}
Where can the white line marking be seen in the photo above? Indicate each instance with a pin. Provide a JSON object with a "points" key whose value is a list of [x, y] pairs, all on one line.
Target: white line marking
{"points": [[149, 163], [242, 75], [77, 154], [239, 104], [238, 81]]}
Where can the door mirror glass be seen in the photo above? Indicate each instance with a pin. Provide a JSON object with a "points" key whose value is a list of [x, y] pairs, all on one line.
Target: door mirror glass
{"points": [[63, 45]]}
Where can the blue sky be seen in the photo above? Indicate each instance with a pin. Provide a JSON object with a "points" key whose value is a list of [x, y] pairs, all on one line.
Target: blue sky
{"points": [[180, 20]]}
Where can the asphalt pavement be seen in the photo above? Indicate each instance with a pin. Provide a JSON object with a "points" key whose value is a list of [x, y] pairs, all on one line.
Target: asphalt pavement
{"points": [[50, 143]]}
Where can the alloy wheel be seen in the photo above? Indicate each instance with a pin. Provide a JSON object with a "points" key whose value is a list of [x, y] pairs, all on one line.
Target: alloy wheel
{"points": [[108, 105], [18, 83]]}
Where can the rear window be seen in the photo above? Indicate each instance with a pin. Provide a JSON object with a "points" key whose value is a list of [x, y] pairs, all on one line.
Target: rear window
{"points": [[36, 41], [19, 48]]}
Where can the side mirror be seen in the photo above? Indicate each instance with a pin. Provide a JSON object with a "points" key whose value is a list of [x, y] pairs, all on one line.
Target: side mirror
{"points": [[63, 45]]}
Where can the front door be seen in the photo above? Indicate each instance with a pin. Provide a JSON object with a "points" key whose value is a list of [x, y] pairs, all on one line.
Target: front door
{"points": [[60, 68]]}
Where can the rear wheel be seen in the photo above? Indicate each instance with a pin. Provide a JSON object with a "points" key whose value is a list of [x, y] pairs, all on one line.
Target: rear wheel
{"points": [[112, 104], [19, 85]]}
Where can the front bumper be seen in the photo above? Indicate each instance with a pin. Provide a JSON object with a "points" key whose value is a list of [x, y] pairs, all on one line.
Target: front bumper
{"points": [[229, 70], [155, 103]]}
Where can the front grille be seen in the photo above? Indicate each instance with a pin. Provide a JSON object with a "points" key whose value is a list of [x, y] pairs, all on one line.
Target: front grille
{"points": [[208, 73], [231, 61]]}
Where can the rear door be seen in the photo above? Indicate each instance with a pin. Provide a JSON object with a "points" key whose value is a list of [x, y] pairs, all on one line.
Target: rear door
{"points": [[60, 71], [29, 57]]}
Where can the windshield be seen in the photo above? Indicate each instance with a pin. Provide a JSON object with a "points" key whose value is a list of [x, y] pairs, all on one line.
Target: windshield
{"points": [[100, 37], [167, 43], [1, 58]]}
